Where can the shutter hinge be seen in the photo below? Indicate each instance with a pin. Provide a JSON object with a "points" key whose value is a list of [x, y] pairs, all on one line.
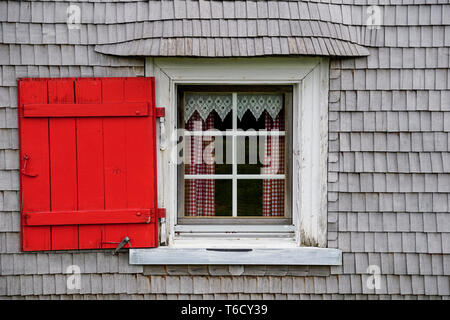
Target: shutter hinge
{"points": [[160, 112], [161, 214]]}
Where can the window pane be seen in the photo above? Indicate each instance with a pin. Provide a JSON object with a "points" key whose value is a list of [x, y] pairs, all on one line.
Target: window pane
{"points": [[250, 154], [260, 155], [248, 122], [207, 198], [249, 198], [207, 155], [260, 111], [206, 111], [260, 198]]}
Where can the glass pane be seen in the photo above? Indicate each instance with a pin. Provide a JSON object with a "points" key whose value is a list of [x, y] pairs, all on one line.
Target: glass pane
{"points": [[260, 155], [206, 111], [249, 198], [260, 111], [207, 155], [223, 193], [248, 122], [260, 198], [249, 155], [207, 198]]}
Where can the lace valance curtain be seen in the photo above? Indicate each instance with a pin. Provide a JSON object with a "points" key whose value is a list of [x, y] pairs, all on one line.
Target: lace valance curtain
{"points": [[222, 104]]}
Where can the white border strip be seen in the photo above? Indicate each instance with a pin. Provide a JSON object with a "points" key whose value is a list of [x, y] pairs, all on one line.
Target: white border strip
{"points": [[201, 256]]}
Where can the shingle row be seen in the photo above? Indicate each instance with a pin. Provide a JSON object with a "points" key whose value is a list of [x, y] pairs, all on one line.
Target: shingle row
{"points": [[229, 296], [234, 47], [58, 55], [116, 284], [389, 202], [232, 296], [399, 37], [352, 2], [391, 141], [389, 121], [393, 79], [396, 263], [37, 33], [130, 11], [401, 58], [390, 162], [101, 262], [59, 263], [388, 182], [429, 243], [388, 100], [405, 223], [407, 36]]}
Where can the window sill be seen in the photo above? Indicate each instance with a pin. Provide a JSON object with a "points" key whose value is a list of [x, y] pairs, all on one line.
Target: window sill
{"points": [[235, 256]]}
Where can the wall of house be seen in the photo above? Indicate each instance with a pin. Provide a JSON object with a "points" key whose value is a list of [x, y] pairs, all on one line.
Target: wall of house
{"points": [[389, 167]]}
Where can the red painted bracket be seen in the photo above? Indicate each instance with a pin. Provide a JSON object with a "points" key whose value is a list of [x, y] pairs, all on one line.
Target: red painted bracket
{"points": [[161, 213], [160, 112]]}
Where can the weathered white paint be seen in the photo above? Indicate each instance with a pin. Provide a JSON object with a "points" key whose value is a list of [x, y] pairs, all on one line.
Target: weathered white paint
{"points": [[189, 256], [221, 241], [218, 70], [309, 77], [310, 157], [198, 228]]}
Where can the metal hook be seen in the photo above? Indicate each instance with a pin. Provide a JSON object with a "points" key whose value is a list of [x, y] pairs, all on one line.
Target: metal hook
{"points": [[25, 158], [121, 245]]}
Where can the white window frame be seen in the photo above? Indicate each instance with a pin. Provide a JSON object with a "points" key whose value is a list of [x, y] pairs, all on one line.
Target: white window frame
{"points": [[234, 176], [309, 78]]}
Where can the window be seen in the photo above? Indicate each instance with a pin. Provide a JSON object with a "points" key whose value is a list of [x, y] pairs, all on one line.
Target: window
{"points": [[236, 154], [210, 205]]}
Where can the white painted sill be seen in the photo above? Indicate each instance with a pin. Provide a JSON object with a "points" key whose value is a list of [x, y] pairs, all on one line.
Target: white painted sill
{"points": [[236, 256]]}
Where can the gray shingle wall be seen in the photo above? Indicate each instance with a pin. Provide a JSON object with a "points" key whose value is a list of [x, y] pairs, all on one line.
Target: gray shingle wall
{"points": [[389, 159]]}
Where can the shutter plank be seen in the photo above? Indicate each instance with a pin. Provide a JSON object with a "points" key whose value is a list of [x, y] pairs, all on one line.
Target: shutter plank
{"points": [[63, 164], [35, 191], [115, 163], [91, 193], [141, 164]]}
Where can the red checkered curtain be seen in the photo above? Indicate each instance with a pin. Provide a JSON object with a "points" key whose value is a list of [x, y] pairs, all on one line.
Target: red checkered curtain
{"points": [[199, 193], [273, 189]]}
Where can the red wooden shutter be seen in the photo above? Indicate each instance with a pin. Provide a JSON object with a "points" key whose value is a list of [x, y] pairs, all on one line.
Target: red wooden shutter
{"points": [[88, 163]]}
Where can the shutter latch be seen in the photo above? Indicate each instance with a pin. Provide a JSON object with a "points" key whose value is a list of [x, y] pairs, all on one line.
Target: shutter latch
{"points": [[121, 245], [161, 114], [25, 159]]}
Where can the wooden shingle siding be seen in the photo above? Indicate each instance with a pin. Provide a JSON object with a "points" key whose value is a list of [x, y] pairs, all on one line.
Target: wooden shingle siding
{"points": [[389, 143]]}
